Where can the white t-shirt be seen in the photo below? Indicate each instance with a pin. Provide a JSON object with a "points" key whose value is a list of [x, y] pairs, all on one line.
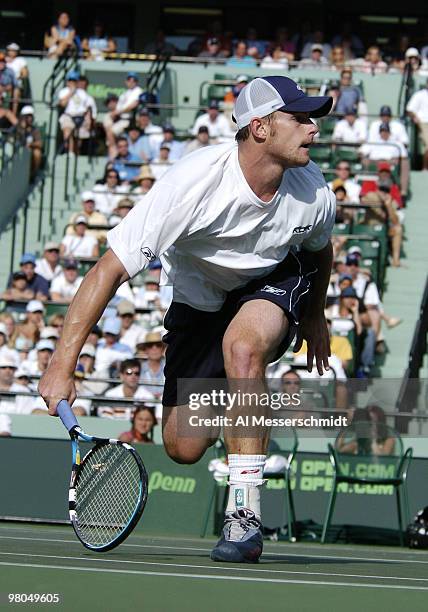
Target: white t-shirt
{"points": [[418, 104], [129, 96], [105, 356], [131, 335], [383, 149], [18, 404], [344, 131], [79, 246], [79, 103], [124, 412], [64, 288], [398, 131], [367, 290], [105, 200], [213, 233], [17, 64], [220, 128], [43, 268], [352, 190]]}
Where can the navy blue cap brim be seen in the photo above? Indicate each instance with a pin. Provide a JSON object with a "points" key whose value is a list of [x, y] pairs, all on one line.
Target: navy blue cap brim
{"points": [[316, 106]]}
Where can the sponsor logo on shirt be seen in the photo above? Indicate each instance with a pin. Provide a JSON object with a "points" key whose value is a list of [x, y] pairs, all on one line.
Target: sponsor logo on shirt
{"points": [[301, 229], [274, 290], [148, 253]]}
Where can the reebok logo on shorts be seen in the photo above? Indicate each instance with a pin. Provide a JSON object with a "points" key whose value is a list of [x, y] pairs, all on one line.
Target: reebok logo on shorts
{"points": [[273, 290], [301, 229], [148, 253]]}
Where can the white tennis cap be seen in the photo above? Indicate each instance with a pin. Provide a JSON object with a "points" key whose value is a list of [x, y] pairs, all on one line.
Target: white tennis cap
{"points": [[263, 96]]}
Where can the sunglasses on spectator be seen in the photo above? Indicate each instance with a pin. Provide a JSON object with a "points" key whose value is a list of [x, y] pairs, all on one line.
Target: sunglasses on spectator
{"points": [[151, 344], [131, 372], [7, 368]]}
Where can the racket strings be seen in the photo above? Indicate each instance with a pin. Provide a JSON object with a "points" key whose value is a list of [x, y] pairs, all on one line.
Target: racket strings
{"points": [[107, 494]]}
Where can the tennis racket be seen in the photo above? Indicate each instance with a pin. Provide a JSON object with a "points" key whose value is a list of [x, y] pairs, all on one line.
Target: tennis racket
{"points": [[108, 487]]}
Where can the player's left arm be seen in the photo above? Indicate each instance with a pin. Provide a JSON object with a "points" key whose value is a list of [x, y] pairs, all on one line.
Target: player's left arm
{"points": [[313, 326]]}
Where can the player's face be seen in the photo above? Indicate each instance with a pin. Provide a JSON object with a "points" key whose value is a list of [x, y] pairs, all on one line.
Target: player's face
{"points": [[290, 136]]}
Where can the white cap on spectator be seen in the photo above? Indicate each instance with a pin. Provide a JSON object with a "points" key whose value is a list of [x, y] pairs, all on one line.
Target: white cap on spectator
{"points": [[7, 361], [45, 345], [81, 219], [88, 349], [242, 78], [13, 46], [35, 306], [21, 371], [49, 332], [411, 52], [5, 425], [354, 249], [27, 110], [3, 329], [87, 196], [51, 244]]}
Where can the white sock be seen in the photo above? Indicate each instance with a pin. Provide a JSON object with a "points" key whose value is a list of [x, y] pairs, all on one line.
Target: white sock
{"points": [[245, 480]]}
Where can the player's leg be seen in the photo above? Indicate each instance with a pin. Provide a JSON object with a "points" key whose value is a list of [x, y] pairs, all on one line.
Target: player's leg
{"points": [[251, 341], [179, 446]]}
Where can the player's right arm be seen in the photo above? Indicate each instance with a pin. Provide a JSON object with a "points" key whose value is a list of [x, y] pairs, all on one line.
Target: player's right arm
{"points": [[96, 290]]}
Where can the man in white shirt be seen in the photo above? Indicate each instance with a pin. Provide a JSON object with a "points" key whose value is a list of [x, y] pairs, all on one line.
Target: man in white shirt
{"points": [[48, 266], [79, 244], [396, 127], [16, 62], [130, 330], [217, 124], [243, 232], [316, 58], [17, 404], [417, 108], [385, 148], [77, 104], [350, 128], [117, 120], [130, 389], [65, 286]]}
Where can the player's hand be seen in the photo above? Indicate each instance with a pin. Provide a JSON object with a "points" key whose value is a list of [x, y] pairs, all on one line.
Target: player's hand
{"points": [[55, 386], [313, 329]]}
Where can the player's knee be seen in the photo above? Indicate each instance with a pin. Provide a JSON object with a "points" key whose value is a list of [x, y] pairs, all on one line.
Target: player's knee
{"points": [[181, 451], [242, 357]]}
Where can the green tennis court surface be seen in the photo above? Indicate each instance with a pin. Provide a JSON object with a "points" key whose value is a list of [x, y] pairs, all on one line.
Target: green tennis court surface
{"points": [[164, 574]]}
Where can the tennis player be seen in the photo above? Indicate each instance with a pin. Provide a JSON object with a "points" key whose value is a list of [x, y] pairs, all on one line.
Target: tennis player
{"points": [[243, 233]]}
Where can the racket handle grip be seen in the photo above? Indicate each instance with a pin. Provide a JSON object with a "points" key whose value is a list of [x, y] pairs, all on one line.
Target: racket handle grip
{"points": [[66, 415]]}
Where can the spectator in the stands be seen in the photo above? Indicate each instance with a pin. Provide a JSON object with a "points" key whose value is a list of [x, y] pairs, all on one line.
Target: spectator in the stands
{"points": [[142, 424], [86, 129], [5, 349], [29, 135], [316, 58], [48, 265], [148, 296], [35, 281], [412, 60], [78, 111], [79, 244], [65, 286], [19, 289], [160, 46], [60, 38], [13, 405], [372, 62], [384, 148], [98, 44], [161, 164], [343, 215], [337, 57], [8, 84], [8, 119], [151, 350], [119, 118], [45, 350], [127, 164], [129, 389], [343, 172], [145, 181], [122, 209], [282, 39], [417, 109], [233, 93], [110, 350], [19, 66], [275, 60], [27, 332], [367, 292], [213, 49], [217, 124], [148, 129], [109, 191], [350, 95], [316, 41], [350, 129], [87, 361], [176, 147], [241, 58], [139, 144], [93, 218], [201, 140], [396, 126], [130, 330], [256, 47]]}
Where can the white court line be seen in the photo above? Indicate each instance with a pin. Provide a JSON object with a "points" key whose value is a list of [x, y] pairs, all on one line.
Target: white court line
{"points": [[212, 567], [179, 548], [219, 577]]}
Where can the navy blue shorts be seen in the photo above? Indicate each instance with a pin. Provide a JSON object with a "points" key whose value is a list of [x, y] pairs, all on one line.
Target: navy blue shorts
{"points": [[194, 337]]}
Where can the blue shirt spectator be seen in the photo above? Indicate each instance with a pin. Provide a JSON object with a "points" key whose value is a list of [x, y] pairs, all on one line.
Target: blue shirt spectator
{"points": [[349, 95], [127, 173], [35, 282], [241, 59], [139, 144], [176, 147], [7, 76]]}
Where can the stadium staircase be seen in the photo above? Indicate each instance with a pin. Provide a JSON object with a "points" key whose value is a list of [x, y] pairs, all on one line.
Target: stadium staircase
{"points": [[405, 285]]}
